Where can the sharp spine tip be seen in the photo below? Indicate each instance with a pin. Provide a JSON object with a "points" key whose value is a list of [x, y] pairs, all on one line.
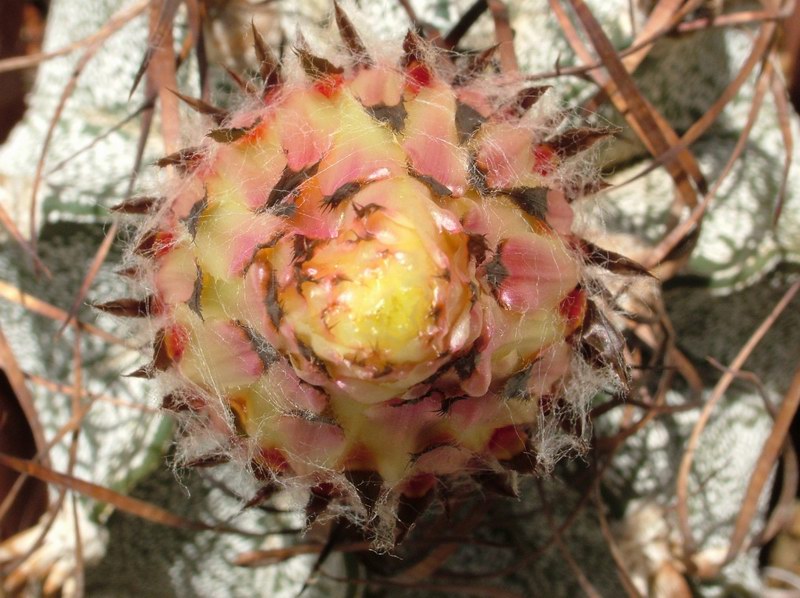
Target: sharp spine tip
{"points": [[145, 372], [368, 485], [523, 101], [261, 496], [318, 501], [208, 461], [137, 205], [413, 48], [241, 82], [350, 37], [127, 308], [475, 65], [408, 511], [268, 65], [129, 272], [217, 114], [502, 483], [185, 160], [315, 66], [574, 141]]}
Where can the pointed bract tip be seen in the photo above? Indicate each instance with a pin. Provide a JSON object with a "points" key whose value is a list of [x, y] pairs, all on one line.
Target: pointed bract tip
{"points": [[129, 272], [523, 101], [587, 190], [577, 140], [244, 85], [268, 65], [261, 496], [409, 509], [185, 160], [211, 460], [602, 344], [524, 462], [413, 48], [350, 37], [315, 67], [502, 483], [137, 205], [475, 65], [368, 485], [319, 498], [160, 362], [231, 134], [612, 261], [145, 372], [127, 308], [217, 114]]}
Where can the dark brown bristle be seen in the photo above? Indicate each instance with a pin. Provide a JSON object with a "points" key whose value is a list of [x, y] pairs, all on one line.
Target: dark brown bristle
{"points": [[502, 483], [587, 190], [268, 66], [195, 301], [244, 85], [368, 486], [137, 205], [413, 49], [364, 211], [611, 261], [229, 135], [145, 246], [289, 182], [274, 309], [601, 343], [262, 495], [145, 372], [468, 120], [346, 191], [316, 67], [531, 200], [516, 387], [523, 101], [350, 37], [218, 114], [192, 220], [478, 247], [178, 403], [126, 308], [318, 501], [474, 65], [409, 509], [129, 272], [495, 271], [161, 361], [465, 364], [185, 160], [266, 352], [574, 141], [524, 462], [148, 244], [208, 460], [171, 402], [435, 186], [394, 116]]}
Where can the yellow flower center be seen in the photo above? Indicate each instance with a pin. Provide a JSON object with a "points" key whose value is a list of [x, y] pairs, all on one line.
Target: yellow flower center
{"points": [[374, 298]]}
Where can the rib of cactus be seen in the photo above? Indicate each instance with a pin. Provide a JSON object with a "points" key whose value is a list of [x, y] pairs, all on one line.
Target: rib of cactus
{"points": [[364, 282]]}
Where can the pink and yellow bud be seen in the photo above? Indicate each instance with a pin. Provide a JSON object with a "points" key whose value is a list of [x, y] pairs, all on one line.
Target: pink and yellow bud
{"points": [[371, 276]]}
